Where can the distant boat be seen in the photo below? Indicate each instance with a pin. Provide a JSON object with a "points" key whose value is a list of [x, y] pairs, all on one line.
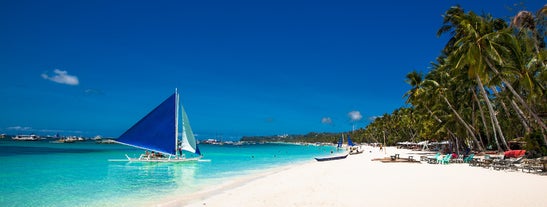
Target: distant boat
{"points": [[31, 137], [164, 133], [105, 141], [69, 139], [340, 142]]}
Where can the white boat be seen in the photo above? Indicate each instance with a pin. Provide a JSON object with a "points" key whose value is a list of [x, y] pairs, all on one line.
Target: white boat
{"points": [[31, 137], [164, 133]]}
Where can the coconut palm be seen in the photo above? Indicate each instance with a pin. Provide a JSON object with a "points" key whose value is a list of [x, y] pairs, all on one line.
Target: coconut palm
{"points": [[470, 50]]}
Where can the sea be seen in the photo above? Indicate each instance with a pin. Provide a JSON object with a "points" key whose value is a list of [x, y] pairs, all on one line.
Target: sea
{"points": [[41, 173]]}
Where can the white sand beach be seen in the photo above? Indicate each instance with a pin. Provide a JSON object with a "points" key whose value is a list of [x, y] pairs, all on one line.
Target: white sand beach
{"points": [[358, 181]]}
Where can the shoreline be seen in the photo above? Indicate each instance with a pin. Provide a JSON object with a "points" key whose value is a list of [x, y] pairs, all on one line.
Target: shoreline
{"points": [[358, 181], [211, 190]]}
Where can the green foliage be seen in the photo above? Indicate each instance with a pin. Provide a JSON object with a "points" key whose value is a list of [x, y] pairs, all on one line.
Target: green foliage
{"points": [[534, 147]]}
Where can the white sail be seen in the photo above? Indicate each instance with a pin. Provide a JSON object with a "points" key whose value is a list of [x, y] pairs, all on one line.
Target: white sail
{"points": [[188, 141]]}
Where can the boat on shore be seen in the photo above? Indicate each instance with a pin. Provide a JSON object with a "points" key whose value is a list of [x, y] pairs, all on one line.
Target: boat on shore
{"points": [[164, 133], [337, 157], [353, 148]]}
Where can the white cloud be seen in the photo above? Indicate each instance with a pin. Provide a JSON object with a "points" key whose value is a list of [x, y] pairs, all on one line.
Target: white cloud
{"points": [[355, 115], [326, 120], [62, 77], [92, 92], [19, 128], [372, 118]]}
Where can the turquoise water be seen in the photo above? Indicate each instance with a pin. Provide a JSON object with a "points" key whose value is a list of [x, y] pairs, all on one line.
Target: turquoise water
{"points": [[78, 174]]}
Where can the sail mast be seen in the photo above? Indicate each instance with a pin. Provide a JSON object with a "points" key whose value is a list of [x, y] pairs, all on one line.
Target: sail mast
{"points": [[176, 120]]}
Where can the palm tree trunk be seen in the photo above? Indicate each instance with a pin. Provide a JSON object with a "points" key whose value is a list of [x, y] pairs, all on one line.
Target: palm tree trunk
{"points": [[496, 92], [457, 142], [521, 116], [522, 102], [469, 130], [482, 115], [493, 117], [506, 112], [433, 115]]}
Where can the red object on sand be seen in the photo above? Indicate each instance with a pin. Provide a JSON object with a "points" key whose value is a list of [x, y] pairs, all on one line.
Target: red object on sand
{"points": [[514, 153]]}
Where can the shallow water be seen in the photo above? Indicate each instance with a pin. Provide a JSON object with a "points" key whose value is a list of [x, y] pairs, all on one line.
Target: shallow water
{"points": [[78, 174]]}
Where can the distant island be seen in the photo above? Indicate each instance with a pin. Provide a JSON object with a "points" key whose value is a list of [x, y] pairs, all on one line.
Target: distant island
{"points": [[312, 137]]}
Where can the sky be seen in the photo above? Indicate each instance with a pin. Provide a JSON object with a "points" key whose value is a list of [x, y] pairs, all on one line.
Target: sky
{"points": [[243, 68]]}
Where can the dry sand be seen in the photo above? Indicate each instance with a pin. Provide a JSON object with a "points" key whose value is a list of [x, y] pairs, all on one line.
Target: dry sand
{"points": [[358, 181]]}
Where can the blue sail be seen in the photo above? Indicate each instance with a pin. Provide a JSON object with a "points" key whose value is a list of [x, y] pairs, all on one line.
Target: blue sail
{"points": [[156, 131], [339, 142], [350, 143]]}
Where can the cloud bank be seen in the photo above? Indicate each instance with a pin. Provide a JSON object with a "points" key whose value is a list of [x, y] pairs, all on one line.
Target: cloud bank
{"points": [[355, 115], [61, 77]]}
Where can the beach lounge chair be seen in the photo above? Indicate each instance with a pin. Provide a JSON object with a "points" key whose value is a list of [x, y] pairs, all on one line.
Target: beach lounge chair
{"points": [[446, 159], [458, 159], [514, 163], [469, 158], [440, 159], [433, 159], [500, 164], [487, 161], [532, 165]]}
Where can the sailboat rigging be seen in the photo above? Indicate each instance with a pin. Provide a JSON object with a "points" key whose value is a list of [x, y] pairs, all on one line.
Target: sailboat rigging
{"points": [[165, 132]]}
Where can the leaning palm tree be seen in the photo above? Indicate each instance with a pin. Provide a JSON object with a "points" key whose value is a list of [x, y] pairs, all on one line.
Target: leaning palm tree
{"points": [[438, 83]]}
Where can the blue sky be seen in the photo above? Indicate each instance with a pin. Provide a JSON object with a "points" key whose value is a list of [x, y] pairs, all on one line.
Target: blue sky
{"points": [[243, 67]]}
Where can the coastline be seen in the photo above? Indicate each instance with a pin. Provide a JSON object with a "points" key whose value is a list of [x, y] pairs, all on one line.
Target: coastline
{"points": [[212, 190], [358, 181]]}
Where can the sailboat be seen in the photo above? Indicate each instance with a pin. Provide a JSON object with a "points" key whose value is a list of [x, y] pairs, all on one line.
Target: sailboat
{"points": [[164, 133]]}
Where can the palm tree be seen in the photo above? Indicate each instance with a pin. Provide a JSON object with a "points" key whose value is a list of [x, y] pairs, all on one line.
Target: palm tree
{"points": [[438, 82], [468, 51]]}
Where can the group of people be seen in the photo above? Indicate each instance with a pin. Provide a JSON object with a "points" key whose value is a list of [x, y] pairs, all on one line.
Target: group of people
{"points": [[153, 154]]}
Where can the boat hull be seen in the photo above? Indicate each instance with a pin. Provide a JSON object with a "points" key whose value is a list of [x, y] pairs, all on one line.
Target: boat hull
{"points": [[152, 160], [321, 159]]}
